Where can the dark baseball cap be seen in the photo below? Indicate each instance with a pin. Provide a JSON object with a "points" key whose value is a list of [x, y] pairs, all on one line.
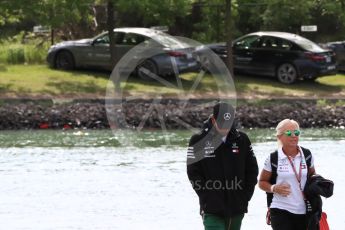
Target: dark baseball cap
{"points": [[224, 113]]}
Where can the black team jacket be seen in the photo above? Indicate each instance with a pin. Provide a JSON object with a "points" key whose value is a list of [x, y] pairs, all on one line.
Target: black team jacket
{"points": [[222, 171], [316, 187]]}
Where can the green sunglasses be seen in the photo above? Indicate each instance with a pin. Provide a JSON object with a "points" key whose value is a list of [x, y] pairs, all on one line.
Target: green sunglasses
{"points": [[296, 132]]}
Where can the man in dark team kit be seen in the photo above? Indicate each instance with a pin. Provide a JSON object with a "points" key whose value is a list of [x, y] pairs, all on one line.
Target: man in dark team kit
{"points": [[223, 170]]}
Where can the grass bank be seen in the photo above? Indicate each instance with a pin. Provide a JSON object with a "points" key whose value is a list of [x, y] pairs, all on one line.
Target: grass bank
{"points": [[41, 81], [323, 87], [20, 50]]}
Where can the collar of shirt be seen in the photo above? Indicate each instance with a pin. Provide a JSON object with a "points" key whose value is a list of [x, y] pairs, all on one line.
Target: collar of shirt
{"points": [[281, 154]]}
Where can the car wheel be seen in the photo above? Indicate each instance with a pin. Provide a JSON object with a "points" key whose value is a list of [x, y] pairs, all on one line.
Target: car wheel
{"points": [[147, 70], [64, 60], [287, 73]]}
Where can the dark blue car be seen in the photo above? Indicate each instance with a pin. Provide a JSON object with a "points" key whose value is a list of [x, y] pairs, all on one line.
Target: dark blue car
{"points": [[286, 56]]}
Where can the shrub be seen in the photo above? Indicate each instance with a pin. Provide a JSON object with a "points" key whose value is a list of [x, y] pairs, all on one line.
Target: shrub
{"points": [[24, 48], [22, 53], [15, 55]]}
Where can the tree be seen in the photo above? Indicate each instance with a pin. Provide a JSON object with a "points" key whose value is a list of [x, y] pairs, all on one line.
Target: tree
{"points": [[66, 14], [328, 15], [152, 12], [286, 15], [228, 25], [248, 17], [111, 27], [74, 16]]}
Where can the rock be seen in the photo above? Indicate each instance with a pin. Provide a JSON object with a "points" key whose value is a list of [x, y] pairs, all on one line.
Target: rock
{"points": [[175, 114]]}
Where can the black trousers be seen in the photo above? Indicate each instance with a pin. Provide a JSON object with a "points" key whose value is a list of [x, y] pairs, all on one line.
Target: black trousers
{"points": [[284, 220]]}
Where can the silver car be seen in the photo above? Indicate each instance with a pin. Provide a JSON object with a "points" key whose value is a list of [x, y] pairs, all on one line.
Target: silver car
{"points": [[175, 55]]}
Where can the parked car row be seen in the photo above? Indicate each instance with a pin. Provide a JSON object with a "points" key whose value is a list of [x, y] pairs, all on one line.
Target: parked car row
{"points": [[286, 56]]}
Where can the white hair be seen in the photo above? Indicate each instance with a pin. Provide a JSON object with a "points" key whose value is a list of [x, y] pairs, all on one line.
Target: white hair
{"points": [[281, 127]]}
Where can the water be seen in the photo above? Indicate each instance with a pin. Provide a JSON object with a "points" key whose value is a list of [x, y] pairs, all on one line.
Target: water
{"points": [[94, 180]]}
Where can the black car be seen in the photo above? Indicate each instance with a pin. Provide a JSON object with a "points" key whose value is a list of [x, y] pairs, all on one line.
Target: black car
{"points": [[339, 49], [278, 54]]}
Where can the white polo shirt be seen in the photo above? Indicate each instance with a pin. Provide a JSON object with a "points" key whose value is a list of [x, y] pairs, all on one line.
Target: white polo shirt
{"points": [[294, 202]]}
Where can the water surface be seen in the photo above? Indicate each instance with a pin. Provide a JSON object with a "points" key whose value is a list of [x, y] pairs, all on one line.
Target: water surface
{"points": [[95, 180]]}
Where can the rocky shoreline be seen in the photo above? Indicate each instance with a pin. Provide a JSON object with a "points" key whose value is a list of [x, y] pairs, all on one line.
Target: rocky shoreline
{"points": [[167, 113]]}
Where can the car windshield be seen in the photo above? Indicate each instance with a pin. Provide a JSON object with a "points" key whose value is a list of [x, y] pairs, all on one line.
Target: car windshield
{"points": [[307, 44], [247, 42], [169, 41]]}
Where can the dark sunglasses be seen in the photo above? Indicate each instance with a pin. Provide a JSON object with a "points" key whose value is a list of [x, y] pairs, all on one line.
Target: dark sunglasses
{"points": [[296, 132]]}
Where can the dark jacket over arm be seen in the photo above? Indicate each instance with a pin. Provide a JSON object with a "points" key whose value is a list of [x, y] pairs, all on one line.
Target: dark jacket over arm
{"points": [[251, 170], [194, 167], [316, 187]]}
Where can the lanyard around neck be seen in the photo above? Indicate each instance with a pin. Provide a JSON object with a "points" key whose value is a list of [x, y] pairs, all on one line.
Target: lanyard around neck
{"points": [[299, 175]]}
